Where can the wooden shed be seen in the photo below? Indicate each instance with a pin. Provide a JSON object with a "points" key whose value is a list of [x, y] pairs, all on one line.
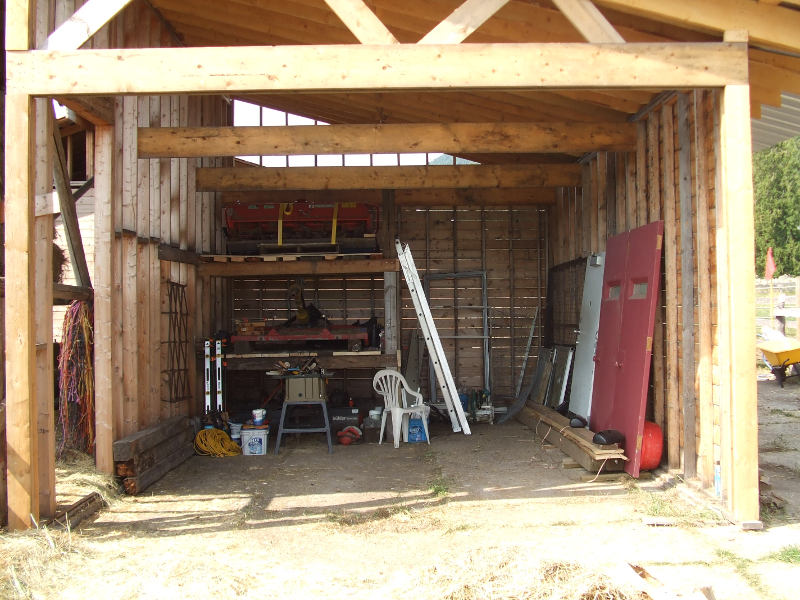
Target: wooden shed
{"points": [[578, 121]]}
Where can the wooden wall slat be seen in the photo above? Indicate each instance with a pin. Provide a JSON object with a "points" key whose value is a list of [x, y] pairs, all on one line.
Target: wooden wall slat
{"points": [[671, 275]]}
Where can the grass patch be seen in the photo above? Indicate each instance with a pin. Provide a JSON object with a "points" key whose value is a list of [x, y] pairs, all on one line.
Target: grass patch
{"points": [[787, 554], [669, 504], [743, 567], [440, 486], [790, 414], [352, 519]]}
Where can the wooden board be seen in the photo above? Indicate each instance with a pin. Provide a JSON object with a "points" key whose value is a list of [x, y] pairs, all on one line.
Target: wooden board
{"points": [[130, 446]]}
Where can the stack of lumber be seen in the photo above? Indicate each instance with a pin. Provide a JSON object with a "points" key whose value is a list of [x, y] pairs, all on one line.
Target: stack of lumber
{"points": [[146, 456], [576, 442]]}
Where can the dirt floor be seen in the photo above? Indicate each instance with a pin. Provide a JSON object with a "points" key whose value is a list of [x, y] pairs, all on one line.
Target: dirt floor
{"points": [[490, 515]]}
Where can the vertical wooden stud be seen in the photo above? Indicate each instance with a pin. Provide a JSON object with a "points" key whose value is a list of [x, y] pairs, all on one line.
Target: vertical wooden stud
{"points": [[671, 277], [703, 267], [689, 400]]}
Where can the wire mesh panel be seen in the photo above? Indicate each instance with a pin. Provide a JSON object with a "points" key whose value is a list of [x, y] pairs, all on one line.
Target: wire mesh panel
{"points": [[177, 370]]}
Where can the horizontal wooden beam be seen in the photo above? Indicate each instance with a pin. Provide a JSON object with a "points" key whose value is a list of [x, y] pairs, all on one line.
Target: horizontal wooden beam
{"points": [[411, 197], [173, 254], [476, 197], [298, 267], [209, 70], [392, 178], [451, 138], [64, 294]]}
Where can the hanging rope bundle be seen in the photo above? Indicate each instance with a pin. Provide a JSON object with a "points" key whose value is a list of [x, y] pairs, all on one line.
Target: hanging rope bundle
{"points": [[76, 379], [215, 442]]}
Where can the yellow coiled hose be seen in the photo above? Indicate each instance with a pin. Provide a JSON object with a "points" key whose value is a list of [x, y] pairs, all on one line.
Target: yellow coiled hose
{"points": [[215, 442]]}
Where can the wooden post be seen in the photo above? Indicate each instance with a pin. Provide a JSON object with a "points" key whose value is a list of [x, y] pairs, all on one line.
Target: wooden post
{"points": [[671, 277], [737, 225], [23, 465], [43, 277], [687, 289], [103, 284], [703, 266]]}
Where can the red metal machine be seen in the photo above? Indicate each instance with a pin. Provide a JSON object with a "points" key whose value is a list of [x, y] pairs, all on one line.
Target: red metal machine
{"points": [[274, 227]]}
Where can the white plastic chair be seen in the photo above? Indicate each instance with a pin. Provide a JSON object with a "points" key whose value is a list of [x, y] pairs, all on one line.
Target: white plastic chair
{"points": [[396, 394]]}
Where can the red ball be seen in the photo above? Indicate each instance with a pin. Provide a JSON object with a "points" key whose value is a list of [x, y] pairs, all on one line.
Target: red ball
{"points": [[652, 446]]}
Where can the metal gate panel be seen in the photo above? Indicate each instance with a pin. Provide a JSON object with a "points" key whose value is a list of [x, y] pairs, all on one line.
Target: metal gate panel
{"points": [[580, 397]]}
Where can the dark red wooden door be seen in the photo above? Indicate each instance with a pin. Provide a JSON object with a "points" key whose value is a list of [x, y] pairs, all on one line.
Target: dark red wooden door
{"points": [[628, 313]]}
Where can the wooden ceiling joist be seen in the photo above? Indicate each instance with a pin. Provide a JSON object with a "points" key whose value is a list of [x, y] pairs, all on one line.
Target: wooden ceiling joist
{"points": [[450, 138], [420, 197], [463, 21], [396, 67], [402, 177], [361, 21]]}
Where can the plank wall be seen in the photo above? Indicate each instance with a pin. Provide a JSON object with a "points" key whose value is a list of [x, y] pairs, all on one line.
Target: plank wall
{"points": [[670, 176], [155, 203], [509, 245]]}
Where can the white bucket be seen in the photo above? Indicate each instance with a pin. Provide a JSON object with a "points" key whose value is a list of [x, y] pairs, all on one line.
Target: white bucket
{"points": [[236, 430], [254, 442]]}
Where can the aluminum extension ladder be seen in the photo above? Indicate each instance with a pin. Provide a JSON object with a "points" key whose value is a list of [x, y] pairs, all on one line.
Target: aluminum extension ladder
{"points": [[217, 359], [440, 365]]}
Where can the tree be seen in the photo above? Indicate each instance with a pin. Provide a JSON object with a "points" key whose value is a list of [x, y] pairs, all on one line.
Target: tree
{"points": [[776, 182]]}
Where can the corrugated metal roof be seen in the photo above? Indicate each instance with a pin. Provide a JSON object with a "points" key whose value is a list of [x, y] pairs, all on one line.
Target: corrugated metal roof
{"points": [[777, 124]]}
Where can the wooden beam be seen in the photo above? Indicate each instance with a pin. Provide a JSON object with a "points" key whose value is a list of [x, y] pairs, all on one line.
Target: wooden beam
{"points": [[82, 25], [737, 225], [451, 138], [410, 197], [589, 21], [403, 177], [104, 333], [175, 254], [69, 213], [64, 294], [361, 21], [463, 21], [297, 267], [96, 110], [380, 68], [769, 25], [20, 346]]}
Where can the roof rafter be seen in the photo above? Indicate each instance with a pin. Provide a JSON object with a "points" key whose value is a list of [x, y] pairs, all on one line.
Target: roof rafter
{"points": [[768, 24], [83, 24], [361, 21], [463, 21], [589, 21]]}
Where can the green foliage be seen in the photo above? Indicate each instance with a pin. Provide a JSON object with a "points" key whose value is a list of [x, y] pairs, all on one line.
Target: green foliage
{"points": [[776, 175]]}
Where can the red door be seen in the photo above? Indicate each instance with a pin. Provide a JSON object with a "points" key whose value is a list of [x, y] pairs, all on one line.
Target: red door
{"points": [[627, 314]]}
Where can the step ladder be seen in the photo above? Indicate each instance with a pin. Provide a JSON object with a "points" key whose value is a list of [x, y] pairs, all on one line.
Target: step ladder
{"points": [[440, 366]]}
